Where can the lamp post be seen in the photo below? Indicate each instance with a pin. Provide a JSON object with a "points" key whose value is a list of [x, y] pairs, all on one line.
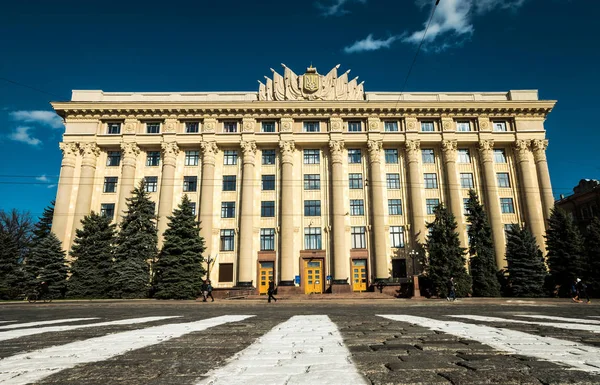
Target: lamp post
{"points": [[416, 291], [209, 260]]}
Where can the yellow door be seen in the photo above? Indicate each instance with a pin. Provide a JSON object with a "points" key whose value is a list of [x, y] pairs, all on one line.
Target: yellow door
{"points": [[359, 275], [265, 273], [313, 277]]}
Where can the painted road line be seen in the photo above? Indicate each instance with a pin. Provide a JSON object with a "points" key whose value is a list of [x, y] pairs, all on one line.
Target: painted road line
{"points": [[38, 364], [28, 332], [550, 317], [302, 350], [570, 326], [40, 323], [575, 355]]}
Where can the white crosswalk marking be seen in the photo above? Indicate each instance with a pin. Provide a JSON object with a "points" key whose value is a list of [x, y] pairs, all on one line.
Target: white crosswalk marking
{"points": [[569, 326], [302, 350], [36, 365], [40, 323], [550, 317], [28, 332], [573, 354]]}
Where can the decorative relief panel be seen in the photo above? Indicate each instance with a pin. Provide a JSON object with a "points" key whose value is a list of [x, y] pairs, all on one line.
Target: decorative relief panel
{"points": [[170, 126], [336, 124], [411, 123], [248, 124], [209, 125], [287, 125], [130, 126], [447, 124], [484, 123], [373, 124]]}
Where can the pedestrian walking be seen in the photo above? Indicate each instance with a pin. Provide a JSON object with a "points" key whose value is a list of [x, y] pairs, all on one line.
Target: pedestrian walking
{"points": [[271, 291], [574, 292], [582, 291], [451, 290], [204, 290], [209, 290]]}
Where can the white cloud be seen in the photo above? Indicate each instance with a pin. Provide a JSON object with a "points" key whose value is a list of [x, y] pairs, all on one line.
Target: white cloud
{"points": [[42, 178], [44, 118], [51, 185], [370, 44], [21, 134], [336, 8]]}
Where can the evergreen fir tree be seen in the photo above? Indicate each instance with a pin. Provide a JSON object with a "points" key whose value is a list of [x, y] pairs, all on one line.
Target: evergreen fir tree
{"points": [[44, 224], [526, 270], [47, 263], [481, 249], [592, 249], [178, 271], [135, 247], [446, 257], [93, 253], [11, 274], [565, 251]]}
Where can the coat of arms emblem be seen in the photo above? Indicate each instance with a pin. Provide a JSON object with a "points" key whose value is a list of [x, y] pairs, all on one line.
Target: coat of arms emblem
{"points": [[311, 80]]}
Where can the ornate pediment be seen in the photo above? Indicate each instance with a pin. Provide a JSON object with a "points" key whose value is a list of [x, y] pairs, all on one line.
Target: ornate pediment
{"points": [[310, 86]]}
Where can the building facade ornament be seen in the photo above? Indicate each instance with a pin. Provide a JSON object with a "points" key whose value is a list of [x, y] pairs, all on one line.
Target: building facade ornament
{"points": [[287, 148], [411, 123], [287, 125], [209, 125], [209, 150], [413, 148], [130, 126], [248, 124], [336, 124], [539, 149], [248, 151], [486, 149], [449, 147], [484, 123], [130, 152], [69, 151], [373, 124], [90, 152], [447, 124], [522, 149], [169, 153], [375, 148], [336, 147], [170, 126]]}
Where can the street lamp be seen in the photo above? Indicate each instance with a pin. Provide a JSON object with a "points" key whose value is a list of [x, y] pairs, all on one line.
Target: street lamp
{"points": [[209, 261], [416, 291], [413, 255]]}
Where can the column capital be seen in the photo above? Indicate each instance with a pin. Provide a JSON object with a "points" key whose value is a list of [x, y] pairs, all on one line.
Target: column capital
{"points": [[90, 152], [209, 125], [287, 150], [413, 147], [209, 150], [248, 151], [170, 126], [539, 149], [336, 147], [336, 124], [373, 123], [449, 148], [130, 126], [248, 125], [375, 147], [486, 148], [130, 152], [69, 151], [169, 152], [521, 149], [286, 124]]}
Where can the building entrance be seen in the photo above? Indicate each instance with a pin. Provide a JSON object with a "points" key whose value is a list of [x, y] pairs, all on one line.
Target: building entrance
{"points": [[359, 275], [265, 273], [313, 276]]}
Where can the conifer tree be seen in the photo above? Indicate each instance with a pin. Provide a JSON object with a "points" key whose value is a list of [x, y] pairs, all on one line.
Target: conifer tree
{"points": [[592, 249], [47, 263], [526, 270], [93, 258], [178, 271], [481, 249], [565, 251], [11, 274], [446, 257], [135, 247], [44, 224]]}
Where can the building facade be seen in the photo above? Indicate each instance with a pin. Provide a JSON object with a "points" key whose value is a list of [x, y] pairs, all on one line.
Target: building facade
{"points": [[584, 203], [310, 180]]}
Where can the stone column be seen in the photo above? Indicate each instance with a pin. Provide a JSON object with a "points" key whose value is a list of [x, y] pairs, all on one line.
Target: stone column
{"points": [[90, 152], [415, 185], [492, 200], [539, 155], [129, 153], [167, 183], [63, 195], [449, 147], [245, 249], [535, 221], [287, 219], [341, 259], [377, 183], [209, 150]]}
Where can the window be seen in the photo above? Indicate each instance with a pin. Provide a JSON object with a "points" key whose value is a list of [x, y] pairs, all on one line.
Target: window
{"points": [[110, 184], [227, 238], [507, 227], [190, 183], [464, 156], [466, 206], [397, 236], [311, 157], [431, 204], [268, 126], [354, 126], [463, 126], [229, 182], [431, 180], [355, 181], [353, 156], [503, 179], [191, 158], [390, 126], [225, 272], [359, 240], [268, 156], [268, 182], [191, 127], [152, 128], [393, 181], [267, 209], [312, 181], [391, 155], [311, 127], [394, 207], [113, 159], [507, 206], [312, 208], [312, 238], [151, 183], [466, 180], [227, 209], [230, 157], [229, 127], [113, 128], [357, 207], [499, 126], [107, 210], [193, 207], [267, 239], [427, 127], [428, 155], [499, 155], [152, 158]]}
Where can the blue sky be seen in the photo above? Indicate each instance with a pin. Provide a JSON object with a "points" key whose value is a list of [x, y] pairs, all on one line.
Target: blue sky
{"points": [[227, 45]]}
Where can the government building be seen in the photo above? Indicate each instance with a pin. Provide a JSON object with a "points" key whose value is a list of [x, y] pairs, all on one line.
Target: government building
{"points": [[311, 180]]}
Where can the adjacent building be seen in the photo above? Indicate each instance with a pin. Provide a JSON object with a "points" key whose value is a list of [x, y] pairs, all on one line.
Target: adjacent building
{"points": [[584, 203]]}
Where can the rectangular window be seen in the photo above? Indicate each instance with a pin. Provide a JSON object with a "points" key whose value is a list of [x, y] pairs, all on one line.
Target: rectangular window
{"points": [[428, 155], [267, 239], [359, 239], [230, 157], [229, 127], [354, 155], [227, 209], [393, 181], [267, 209], [389, 126], [152, 128], [152, 158], [397, 236], [268, 156], [190, 183], [225, 272], [354, 126], [503, 179], [391, 155], [312, 181], [394, 207], [357, 207], [466, 180], [507, 227], [151, 183], [113, 128], [107, 210], [430, 180], [499, 155], [312, 208], [192, 158], [268, 126], [312, 238], [113, 159], [431, 204], [110, 184], [427, 126], [311, 157], [499, 126], [311, 127], [227, 240], [229, 182], [507, 206], [464, 156], [466, 206], [355, 181], [463, 126], [193, 207], [268, 182], [192, 127]]}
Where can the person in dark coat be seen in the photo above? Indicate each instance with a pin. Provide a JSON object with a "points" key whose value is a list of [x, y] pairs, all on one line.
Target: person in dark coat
{"points": [[209, 290], [204, 290], [451, 290], [582, 290], [271, 291]]}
